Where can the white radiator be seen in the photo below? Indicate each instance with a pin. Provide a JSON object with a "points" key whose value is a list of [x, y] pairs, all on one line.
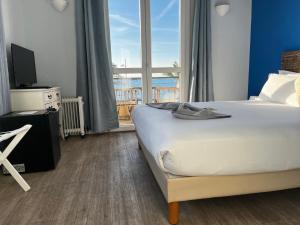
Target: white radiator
{"points": [[72, 116]]}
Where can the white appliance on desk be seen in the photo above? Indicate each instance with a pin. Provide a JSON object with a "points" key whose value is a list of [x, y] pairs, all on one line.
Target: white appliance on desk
{"points": [[35, 99]]}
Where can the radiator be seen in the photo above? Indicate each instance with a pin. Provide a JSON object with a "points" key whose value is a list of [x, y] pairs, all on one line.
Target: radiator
{"points": [[72, 116]]}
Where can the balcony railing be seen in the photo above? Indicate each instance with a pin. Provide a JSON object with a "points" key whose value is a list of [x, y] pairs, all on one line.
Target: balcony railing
{"points": [[159, 94], [128, 98], [129, 92], [165, 94]]}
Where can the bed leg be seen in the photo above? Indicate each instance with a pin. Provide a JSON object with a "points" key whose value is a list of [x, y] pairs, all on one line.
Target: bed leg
{"points": [[173, 209], [140, 147]]}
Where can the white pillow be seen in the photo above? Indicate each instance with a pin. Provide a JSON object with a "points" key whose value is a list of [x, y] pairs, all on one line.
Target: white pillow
{"points": [[297, 75], [280, 89], [288, 73], [285, 72], [297, 86]]}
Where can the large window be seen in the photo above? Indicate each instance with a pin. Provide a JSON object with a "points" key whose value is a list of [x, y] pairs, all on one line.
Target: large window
{"points": [[146, 46]]}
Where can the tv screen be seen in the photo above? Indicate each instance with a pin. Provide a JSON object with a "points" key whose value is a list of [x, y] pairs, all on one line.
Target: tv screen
{"points": [[23, 64]]}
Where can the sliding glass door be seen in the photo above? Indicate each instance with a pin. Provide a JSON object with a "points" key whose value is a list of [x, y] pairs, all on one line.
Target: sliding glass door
{"points": [[165, 50], [146, 47]]}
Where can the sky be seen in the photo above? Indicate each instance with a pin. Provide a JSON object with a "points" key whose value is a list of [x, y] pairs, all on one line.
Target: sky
{"points": [[125, 32]]}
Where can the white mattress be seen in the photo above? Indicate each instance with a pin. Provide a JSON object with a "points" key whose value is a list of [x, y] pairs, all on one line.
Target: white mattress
{"points": [[260, 137]]}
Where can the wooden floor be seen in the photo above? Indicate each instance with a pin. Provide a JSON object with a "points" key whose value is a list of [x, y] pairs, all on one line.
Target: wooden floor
{"points": [[104, 180]]}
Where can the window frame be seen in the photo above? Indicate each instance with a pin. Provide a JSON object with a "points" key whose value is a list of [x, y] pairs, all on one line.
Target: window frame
{"points": [[145, 35]]}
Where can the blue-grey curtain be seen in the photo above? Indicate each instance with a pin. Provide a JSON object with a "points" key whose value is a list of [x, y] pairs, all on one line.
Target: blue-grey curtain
{"points": [[200, 80], [4, 78], [94, 66]]}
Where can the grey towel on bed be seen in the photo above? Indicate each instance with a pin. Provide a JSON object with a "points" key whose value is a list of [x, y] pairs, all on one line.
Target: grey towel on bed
{"points": [[186, 111]]}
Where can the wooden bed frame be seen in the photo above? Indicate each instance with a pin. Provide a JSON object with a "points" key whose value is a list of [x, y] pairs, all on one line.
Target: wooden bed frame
{"points": [[181, 189], [177, 189]]}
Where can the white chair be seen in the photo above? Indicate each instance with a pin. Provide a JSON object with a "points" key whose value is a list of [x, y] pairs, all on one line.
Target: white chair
{"points": [[18, 135]]}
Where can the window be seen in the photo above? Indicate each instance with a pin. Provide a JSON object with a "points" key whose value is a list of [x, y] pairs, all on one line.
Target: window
{"points": [[125, 32], [146, 47], [165, 33]]}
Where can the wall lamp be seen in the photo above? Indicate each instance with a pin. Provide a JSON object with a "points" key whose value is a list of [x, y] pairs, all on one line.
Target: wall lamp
{"points": [[60, 5], [222, 8]]}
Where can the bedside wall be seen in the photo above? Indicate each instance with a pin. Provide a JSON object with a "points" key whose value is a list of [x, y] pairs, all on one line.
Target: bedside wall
{"points": [[36, 25], [275, 29], [231, 50]]}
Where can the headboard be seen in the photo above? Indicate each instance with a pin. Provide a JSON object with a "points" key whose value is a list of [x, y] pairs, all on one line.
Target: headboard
{"points": [[290, 61]]}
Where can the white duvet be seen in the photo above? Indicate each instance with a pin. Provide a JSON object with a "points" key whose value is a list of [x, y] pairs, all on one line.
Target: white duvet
{"points": [[260, 137]]}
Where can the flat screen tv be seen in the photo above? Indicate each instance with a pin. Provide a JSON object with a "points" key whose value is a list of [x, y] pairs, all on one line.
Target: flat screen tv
{"points": [[23, 65]]}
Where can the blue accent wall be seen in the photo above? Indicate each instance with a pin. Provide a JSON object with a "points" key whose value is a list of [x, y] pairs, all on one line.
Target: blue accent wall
{"points": [[275, 28]]}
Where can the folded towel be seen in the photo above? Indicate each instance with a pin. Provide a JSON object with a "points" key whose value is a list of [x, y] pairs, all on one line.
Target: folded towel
{"points": [[186, 111]]}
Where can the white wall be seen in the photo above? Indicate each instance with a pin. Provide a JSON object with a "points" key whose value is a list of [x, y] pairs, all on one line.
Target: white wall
{"points": [[34, 24], [231, 50]]}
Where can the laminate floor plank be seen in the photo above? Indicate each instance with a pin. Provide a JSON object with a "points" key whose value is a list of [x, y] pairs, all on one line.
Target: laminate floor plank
{"points": [[105, 180]]}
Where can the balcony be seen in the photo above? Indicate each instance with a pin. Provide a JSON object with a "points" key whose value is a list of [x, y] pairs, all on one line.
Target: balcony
{"points": [[129, 93]]}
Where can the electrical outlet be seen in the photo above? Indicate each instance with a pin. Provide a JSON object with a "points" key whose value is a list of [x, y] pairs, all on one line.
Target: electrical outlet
{"points": [[19, 167]]}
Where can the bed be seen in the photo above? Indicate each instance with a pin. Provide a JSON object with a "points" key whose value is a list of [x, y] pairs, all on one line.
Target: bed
{"points": [[204, 159]]}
